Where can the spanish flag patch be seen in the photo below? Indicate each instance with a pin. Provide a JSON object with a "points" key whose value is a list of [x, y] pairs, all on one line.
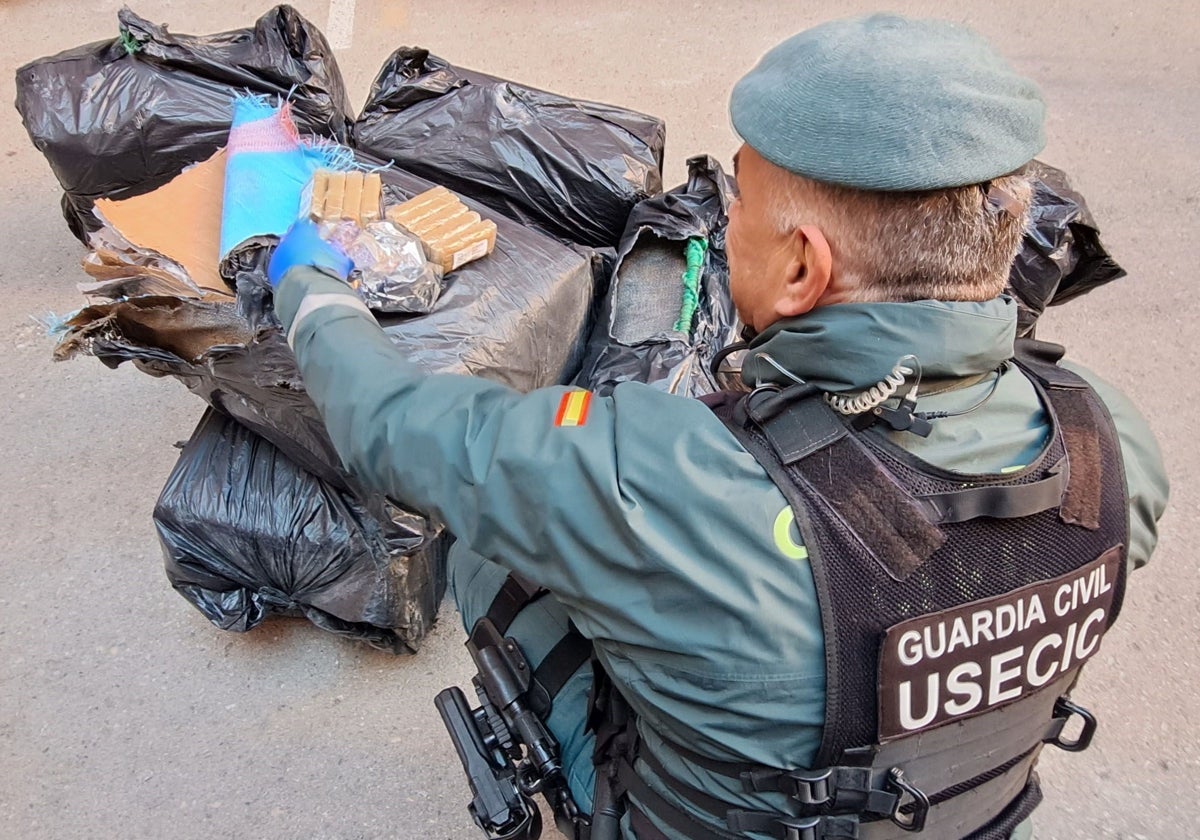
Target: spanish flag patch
{"points": [[573, 410]]}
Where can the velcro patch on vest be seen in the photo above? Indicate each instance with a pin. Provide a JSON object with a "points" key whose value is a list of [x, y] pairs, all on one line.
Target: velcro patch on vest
{"points": [[958, 663]]}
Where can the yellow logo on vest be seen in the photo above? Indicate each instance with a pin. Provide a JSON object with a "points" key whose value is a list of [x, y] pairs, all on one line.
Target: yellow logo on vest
{"points": [[789, 546]]}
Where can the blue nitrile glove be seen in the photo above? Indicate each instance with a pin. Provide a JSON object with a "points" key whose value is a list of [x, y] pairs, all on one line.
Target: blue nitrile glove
{"points": [[303, 245]]}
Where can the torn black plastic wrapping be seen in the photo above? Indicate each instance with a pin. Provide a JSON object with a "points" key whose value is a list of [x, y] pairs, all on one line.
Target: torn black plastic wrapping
{"points": [[1061, 256], [674, 361], [569, 167], [246, 533], [114, 124], [519, 316]]}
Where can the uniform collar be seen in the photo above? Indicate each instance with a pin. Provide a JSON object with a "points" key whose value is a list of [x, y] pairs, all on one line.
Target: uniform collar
{"points": [[851, 346]]}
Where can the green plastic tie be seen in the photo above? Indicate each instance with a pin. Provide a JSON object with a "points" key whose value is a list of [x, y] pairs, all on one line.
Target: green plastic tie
{"points": [[130, 43], [696, 248]]}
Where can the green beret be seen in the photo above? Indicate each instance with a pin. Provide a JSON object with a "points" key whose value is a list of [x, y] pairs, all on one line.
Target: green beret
{"points": [[889, 103]]}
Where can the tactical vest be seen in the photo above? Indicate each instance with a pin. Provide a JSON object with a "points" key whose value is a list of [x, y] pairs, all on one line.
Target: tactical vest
{"points": [[957, 612]]}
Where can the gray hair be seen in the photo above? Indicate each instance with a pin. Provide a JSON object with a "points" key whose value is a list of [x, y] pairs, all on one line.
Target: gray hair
{"points": [[949, 244]]}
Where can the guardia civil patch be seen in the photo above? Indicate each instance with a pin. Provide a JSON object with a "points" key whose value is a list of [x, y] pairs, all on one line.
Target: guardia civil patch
{"points": [[961, 662], [573, 409]]}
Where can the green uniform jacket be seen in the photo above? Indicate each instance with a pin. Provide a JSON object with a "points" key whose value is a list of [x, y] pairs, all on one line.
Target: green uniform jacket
{"points": [[663, 538]]}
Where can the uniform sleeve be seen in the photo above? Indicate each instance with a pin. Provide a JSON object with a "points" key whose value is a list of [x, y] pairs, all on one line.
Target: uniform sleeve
{"points": [[519, 478], [1145, 473]]}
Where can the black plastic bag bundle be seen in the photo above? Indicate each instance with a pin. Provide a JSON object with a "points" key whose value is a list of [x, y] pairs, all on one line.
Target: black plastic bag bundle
{"points": [[572, 168], [120, 118], [1061, 256], [636, 338], [247, 534], [519, 316]]}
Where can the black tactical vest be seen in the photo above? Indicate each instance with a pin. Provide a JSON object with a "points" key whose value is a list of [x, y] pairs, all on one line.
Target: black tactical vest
{"points": [[957, 612]]}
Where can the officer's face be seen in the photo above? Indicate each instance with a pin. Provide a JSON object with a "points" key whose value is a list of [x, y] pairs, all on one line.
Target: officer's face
{"points": [[763, 261], [778, 267]]}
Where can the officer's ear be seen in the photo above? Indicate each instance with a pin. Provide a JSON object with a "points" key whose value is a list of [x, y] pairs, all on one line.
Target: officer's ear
{"points": [[809, 271]]}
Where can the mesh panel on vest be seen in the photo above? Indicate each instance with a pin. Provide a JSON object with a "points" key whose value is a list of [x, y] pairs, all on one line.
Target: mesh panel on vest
{"points": [[919, 478]]}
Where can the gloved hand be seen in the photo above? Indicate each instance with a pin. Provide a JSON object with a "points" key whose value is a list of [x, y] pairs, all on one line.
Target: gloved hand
{"points": [[303, 245]]}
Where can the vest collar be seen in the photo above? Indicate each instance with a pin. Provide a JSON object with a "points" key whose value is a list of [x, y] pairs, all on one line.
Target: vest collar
{"points": [[852, 346]]}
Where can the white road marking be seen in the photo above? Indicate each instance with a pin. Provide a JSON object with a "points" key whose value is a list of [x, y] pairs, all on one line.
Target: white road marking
{"points": [[340, 29]]}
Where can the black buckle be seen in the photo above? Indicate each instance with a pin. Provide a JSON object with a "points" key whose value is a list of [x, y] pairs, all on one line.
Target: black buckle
{"points": [[918, 804], [801, 828], [1065, 709], [808, 787], [792, 828]]}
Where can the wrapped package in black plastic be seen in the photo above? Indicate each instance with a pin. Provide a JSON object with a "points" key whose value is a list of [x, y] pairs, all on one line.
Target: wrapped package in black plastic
{"points": [[518, 316], [122, 117], [651, 328], [1061, 256], [572, 168], [247, 534]]}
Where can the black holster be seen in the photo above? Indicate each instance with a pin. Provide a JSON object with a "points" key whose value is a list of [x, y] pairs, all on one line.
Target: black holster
{"points": [[505, 748]]}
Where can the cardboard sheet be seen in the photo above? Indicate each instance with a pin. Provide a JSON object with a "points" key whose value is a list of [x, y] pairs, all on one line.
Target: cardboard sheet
{"points": [[181, 219]]}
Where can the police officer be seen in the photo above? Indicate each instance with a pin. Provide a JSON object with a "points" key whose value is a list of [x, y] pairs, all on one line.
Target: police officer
{"points": [[854, 603]]}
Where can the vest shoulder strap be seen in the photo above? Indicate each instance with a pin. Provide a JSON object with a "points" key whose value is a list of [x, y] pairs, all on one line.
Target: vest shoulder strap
{"points": [[1081, 414], [793, 432]]}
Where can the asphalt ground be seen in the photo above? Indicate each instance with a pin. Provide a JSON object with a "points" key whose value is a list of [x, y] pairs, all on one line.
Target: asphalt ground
{"points": [[125, 714]]}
